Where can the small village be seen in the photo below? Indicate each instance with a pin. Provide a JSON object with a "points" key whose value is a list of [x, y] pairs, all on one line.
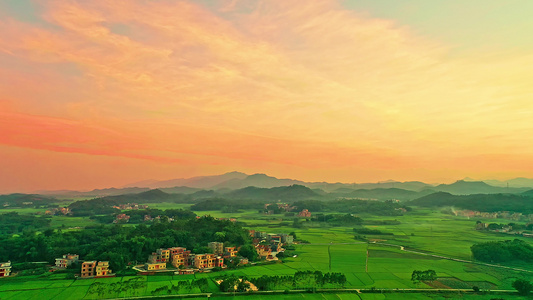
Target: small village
{"points": [[179, 260]]}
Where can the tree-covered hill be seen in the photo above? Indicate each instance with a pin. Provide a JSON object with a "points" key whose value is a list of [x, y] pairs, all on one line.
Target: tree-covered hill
{"points": [[478, 202], [380, 193], [24, 200], [283, 193]]}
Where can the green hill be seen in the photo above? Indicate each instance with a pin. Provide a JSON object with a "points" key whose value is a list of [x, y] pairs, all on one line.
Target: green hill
{"points": [[24, 200], [283, 193], [478, 202], [380, 194]]}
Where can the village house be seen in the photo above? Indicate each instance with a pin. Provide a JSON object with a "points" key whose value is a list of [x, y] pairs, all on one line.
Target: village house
{"points": [[160, 256], [121, 218], [88, 269], [304, 214], [208, 261], [263, 250], [216, 247], [180, 257], [102, 269], [54, 211], [287, 239], [274, 238], [130, 206], [66, 260], [93, 268], [5, 269], [230, 252], [155, 266]]}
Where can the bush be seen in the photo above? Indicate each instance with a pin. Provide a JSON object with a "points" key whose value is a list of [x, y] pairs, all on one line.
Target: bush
{"points": [[523, 286]]}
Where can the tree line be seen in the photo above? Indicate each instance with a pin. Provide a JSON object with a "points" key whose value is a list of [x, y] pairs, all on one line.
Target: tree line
{"points": [[503, 251]]}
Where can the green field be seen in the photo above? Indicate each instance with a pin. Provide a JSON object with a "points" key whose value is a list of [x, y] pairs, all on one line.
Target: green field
{"points": [[330, 249]]}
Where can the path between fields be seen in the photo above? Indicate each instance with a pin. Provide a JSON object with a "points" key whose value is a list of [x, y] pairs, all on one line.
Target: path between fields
{"points": [[423, 253], [456, 259], [319, 291]]}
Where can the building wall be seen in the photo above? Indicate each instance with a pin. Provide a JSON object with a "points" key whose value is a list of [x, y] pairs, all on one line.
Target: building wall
{"points": [[216, 247], [157, 266], [102, 269], [5, 269], [88, 269]]}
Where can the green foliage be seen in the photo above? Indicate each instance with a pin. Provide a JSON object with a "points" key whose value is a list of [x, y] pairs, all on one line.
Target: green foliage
{"points": [[134, 286], [352, 206], [137, 215], [371, 231], [248, 251], [121, 244], [283, 193], [221, 203], [300, 279], [503, 251], [428, 275], [523, 286], [25, 201], [14, 223], [103, 206], [338, 219]]}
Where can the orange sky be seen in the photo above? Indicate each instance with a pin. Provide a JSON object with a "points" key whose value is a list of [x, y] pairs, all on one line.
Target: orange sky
{"points": [[103, 93]]}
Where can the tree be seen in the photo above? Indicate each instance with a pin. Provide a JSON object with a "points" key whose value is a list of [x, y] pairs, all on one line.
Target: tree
{"points": [[243, 285], [249, 252], [523, 286], [428, 275]]}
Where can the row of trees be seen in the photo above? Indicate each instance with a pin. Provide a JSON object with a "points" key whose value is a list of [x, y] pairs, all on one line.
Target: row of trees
{"points": [[300, 279]]}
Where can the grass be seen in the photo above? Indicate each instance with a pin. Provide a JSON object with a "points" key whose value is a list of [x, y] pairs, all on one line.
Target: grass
{"points": [[332, 249]]}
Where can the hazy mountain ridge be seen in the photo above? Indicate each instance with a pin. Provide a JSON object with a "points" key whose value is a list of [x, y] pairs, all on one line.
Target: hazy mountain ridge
{"points": [[225, 183], [282, 193], [194, 182]]}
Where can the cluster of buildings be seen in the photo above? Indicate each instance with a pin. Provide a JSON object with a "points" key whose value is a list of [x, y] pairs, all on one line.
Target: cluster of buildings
{"points": [[304, 214], [148, 218], [130, 206], [5, 269], [121, 218], [268, 245], [186, 262], [509, 229], [89, 269], [281, 206], [493, 215], [57, 211], [67, 260], [95, 269]]}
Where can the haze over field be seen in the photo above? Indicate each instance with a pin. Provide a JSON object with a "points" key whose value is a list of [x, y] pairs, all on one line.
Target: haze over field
{"points": [[96, 94]]}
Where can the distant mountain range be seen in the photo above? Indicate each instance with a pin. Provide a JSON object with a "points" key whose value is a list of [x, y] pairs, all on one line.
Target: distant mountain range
{"points": [[225, 184], [201, 182]]}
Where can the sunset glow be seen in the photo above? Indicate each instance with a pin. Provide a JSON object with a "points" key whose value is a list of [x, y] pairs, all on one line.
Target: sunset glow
{"points": [[104, 93]]}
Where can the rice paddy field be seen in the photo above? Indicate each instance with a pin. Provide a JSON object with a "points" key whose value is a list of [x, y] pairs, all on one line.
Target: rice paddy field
{"points": [[378, 264]]}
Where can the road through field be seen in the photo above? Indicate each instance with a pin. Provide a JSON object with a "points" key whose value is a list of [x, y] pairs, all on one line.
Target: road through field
{"points": [[421, 253], [455, 259]]}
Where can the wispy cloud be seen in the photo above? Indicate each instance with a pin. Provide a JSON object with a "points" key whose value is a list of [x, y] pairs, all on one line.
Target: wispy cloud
{"points": [[308, 84]]}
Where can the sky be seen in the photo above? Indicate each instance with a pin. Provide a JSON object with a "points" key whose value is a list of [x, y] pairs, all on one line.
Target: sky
{"points": [[97, 94]]}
